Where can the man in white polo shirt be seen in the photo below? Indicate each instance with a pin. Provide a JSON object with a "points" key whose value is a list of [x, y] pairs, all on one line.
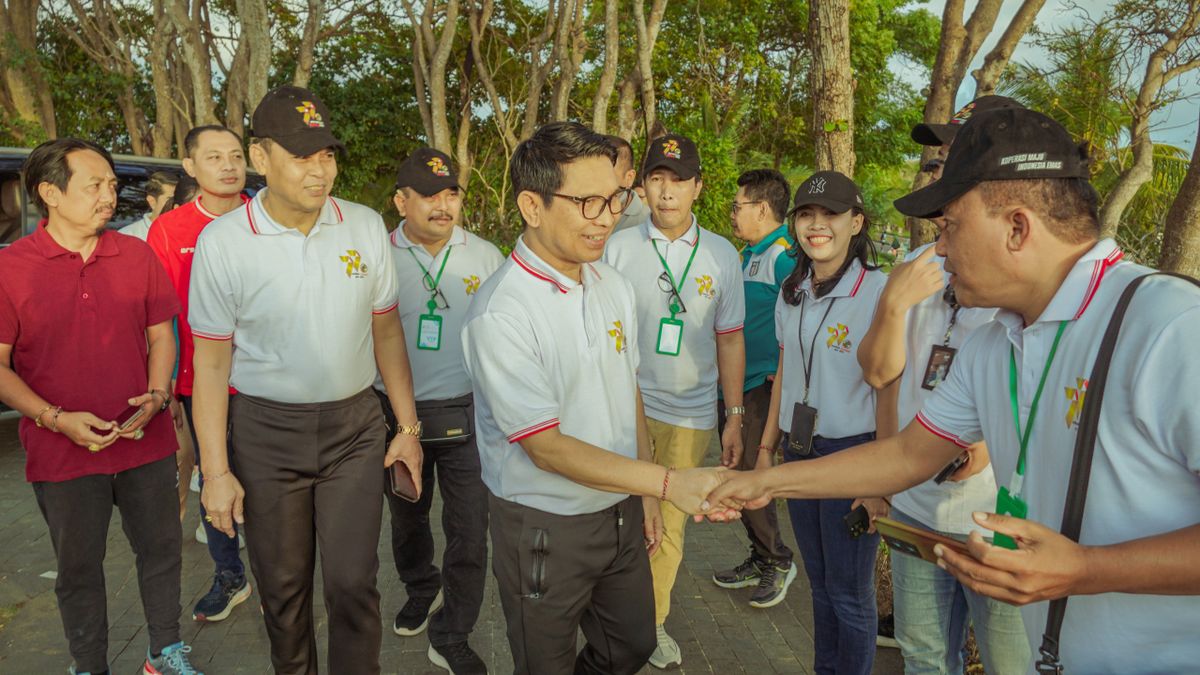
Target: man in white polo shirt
{"points": [[1020, 233], [626, 172], [691, 306], [440, 267], [551, 346], [292, 301]]}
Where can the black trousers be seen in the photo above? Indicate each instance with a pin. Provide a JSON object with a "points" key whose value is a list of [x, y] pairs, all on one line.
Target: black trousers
{"points": [[77, 513], [464, 522], [312, 475], [558, 574], [762, 525]]}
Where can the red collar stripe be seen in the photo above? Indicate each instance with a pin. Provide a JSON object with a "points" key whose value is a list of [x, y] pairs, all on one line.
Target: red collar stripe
{"points": [[862, 274], [336, 208], [250, 217], [525, 266], [1098, 271], [533, 430]]}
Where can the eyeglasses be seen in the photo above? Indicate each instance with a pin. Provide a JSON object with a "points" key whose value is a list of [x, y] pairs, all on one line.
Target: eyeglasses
{"points": [[932, 165], [591, 207], [734, 207], [674, 301], [436, 298]]}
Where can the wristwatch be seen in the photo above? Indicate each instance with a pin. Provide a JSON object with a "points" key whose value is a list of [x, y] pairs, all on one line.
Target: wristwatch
{"points": [[166, 398], [735, 410], [410, 429]]}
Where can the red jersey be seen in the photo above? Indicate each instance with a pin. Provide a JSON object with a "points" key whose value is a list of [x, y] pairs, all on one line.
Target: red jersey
{"points": [[173, 239]]}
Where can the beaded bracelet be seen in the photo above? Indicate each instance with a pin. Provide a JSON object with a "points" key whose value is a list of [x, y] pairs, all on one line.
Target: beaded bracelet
{"points": [[37, 419], [666, 481]]}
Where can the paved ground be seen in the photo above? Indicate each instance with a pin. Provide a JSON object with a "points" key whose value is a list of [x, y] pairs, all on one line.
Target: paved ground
{"points": [[717, 631]]}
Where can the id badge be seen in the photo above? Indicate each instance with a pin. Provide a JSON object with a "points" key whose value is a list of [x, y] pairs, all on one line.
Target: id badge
{"points": [[670, 337], [429, 332], [1008, 505], [940, 358], [804, 425]]}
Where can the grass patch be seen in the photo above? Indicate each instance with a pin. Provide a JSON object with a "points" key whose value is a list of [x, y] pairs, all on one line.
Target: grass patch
{"points": [[7, 614]]}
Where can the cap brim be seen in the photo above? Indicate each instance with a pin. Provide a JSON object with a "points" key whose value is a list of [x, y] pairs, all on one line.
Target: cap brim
{"points": [[308, 142], [684, 172], [929, 201], [834, 205], [432, 188], [934, 134]]}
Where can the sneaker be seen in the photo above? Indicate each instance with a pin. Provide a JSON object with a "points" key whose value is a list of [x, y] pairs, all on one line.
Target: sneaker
{"points": [[414, 617], [458, 658], [666, 654], [172, 661], [202, 537], [743, 576], [886, 635], [194, 485], [772, 587], [228, 591], [71, 671]]}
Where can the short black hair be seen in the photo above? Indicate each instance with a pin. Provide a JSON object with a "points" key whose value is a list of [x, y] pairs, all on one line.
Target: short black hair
{"points": [[1070, 206], [538, 161], [768, 185], [192, 139], [48, 164], [624, 149], [158, 181]]}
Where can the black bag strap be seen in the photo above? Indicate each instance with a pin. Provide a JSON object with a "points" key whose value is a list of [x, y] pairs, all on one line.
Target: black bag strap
{"points": [[1081, 465]]}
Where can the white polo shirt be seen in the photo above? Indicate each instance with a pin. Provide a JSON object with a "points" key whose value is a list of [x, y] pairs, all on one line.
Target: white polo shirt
{"points": [[946, 507], [844, 401], [681, 390], [1144, 474], [440, 374], [546, 351], [297, 308], [138, 228]]}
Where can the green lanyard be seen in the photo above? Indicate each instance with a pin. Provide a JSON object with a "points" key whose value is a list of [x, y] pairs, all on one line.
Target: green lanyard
{"points": [[671, 277], [1019, 474], [433, 281]]}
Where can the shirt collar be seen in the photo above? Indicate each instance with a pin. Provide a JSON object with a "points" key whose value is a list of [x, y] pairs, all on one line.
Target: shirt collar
{"points": [[49, 248], [1075, 294], [847, 286], [457, 238], [262, 223], [690, 237], [209, 214], [528, 261], [778, 233]]}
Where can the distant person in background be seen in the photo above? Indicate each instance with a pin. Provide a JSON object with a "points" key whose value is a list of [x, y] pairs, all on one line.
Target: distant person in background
{"points": [[160, 187], [637, 211], [186, 190]]}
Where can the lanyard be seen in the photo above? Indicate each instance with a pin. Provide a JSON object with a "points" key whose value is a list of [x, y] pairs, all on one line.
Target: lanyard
{"points": [[433, 281], [1019, 474], [671, 277], [812, 346], [950, 328]]}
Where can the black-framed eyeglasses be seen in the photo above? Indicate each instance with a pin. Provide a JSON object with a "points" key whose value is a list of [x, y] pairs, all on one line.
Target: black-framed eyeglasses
{"points": [[674, 301], [734, 207], [932, 165], [436, 295], [591, 207]]}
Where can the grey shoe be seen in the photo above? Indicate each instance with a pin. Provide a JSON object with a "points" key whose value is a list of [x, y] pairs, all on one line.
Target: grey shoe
{"points": [[744, 575], [772, 587], [172, 661], [666, 654]]}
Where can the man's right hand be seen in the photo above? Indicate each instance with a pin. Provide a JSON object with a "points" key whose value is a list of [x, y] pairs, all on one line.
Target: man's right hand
{"points": [[222, 497], [688, 489], [911, 282], [83, 428]]}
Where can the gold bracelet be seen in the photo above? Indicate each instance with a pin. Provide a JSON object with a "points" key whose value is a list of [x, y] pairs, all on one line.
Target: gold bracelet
{"points": [[37, 419], [54, 420], [220, 475]]}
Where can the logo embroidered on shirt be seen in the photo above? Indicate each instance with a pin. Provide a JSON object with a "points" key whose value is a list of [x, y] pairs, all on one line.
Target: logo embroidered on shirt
{"points": [[438, 167], [839, 338], [618, 336], [472, 282], [754, 268], [705, 287], [355, 267], [671, 149], [1076, 396], [311, 117]]}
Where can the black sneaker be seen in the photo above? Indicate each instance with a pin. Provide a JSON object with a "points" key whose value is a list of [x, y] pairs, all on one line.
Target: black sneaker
{"points": [[743, 576], [772, 587], [228, 591], [414, 617], [886, 635], [458, 658]]}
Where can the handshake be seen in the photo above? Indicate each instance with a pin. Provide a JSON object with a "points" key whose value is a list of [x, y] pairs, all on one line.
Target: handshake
{"points": [[717, 493]]}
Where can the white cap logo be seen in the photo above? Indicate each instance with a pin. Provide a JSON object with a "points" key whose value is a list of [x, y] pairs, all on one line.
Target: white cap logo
{"points": [[817, 187]]}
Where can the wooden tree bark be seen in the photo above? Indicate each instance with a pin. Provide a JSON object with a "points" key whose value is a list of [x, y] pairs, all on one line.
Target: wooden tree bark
{"points": [[832, 86], [571, 59], [478, 17], [160, 79], [256, 36], [608, 74], [1165, 64], [26, 93], [431, 56], [626, 118], [647, 36], [1181, 236], [308, 43], [539, 70], [996, 61], [188, 20]]}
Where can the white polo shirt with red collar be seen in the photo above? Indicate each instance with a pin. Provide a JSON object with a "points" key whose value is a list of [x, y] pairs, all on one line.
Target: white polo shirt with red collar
{"points": [[469, 260], [833, 325], [681, 390], [543, 351], [298, 308], [1144, 478]]}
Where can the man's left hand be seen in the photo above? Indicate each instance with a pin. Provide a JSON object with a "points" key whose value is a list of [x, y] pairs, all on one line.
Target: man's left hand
{"points": [[406, 448], [731, 442], [1046, 565], [150, 404], [652, 524]]}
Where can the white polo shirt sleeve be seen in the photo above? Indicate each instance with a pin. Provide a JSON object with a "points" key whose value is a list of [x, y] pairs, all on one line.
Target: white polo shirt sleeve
{"points": [[1167, 370], [212, 292], [387, 286], [503, 360], [950, 412], [731, 305]]}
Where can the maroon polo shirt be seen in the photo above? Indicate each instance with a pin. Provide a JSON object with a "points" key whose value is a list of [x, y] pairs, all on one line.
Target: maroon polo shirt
{"points": [[78, 333]]}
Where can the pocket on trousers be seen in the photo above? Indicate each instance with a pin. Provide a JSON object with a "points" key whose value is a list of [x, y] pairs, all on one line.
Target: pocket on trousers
{"points": [[539, 552]]}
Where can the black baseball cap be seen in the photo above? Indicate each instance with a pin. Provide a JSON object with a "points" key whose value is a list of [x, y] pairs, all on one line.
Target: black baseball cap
{"points": [[830, 189], [296, 119], [674, 152], [941, 134], [427, 171], [1011, 144]]}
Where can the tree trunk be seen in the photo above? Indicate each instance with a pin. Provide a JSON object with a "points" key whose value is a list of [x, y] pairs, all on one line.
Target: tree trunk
{"points": [[478, 18], [26, 88], [556, 26], [308, 43], [437, 79], [626, 120], [997, 59], [832, 86], [196, 59], [608, 75], [134, 122], [160, 78], [236, 87], [256, 35], [1181, 235], [647, 35]]}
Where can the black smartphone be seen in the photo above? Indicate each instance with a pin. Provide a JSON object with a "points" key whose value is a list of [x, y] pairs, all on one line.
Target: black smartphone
{"points": [[857, 521], [945, 473], [804, 425]]}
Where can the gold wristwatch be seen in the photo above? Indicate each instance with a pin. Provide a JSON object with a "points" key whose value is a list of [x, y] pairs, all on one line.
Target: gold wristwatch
{"points": [[410, 429]]}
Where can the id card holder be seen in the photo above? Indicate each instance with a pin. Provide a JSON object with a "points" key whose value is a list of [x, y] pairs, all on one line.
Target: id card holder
{"points": [[670, 337], [429, 332], [940, 358], [804, 425], [1008, 505]]}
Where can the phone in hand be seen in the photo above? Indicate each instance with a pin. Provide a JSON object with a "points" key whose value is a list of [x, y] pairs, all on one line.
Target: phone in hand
{"points": [[857, 521], [402, 483], [949, 469], [915, 541], [129, 417]]}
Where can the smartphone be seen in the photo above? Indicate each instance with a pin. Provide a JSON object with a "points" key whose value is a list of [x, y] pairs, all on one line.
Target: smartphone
{"points": [[945, 473], [857, 521], [130, 416], [403, 485], [915, 541]]}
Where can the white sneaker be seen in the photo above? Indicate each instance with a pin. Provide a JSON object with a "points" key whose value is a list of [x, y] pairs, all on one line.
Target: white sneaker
{"points": [[666, 654], [194, 486], [202, 537]]}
